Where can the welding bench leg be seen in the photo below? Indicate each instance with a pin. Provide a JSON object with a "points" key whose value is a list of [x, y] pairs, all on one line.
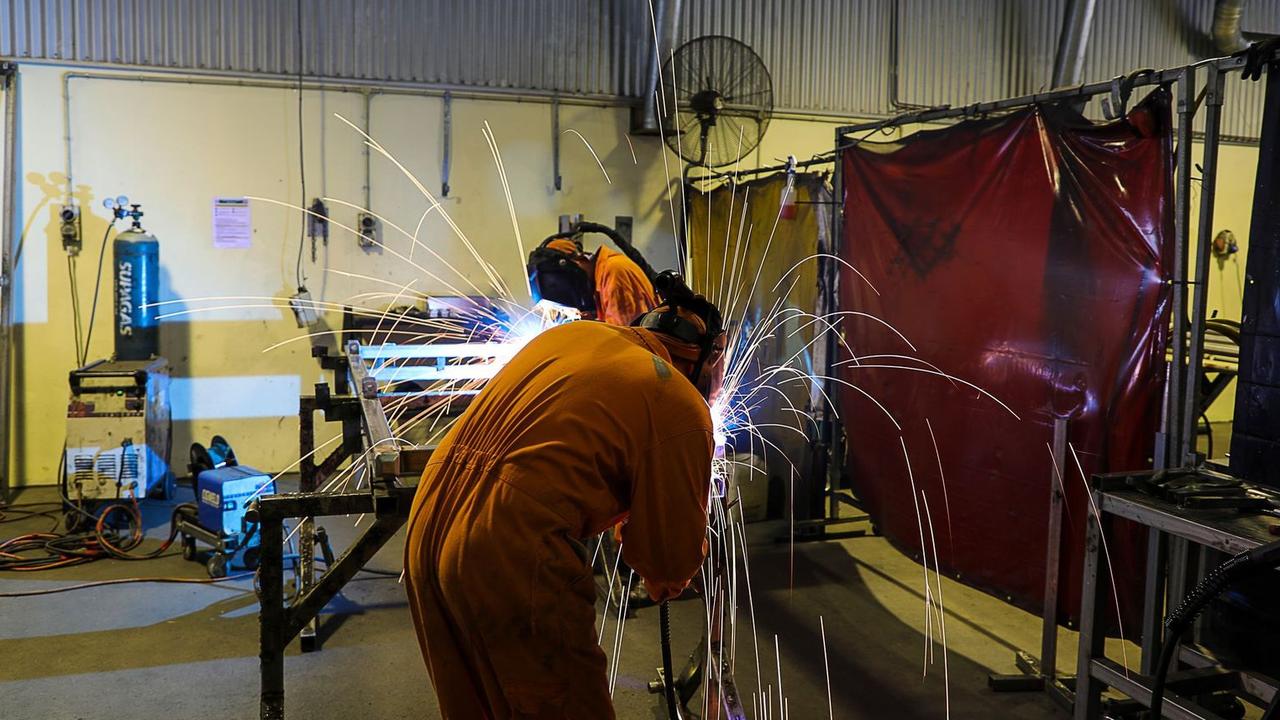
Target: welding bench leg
{"points": [[1093, 632], [271, 620]]}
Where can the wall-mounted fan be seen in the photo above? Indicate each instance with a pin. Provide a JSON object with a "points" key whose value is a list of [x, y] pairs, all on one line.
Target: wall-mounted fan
{"points": [[723, 98]]}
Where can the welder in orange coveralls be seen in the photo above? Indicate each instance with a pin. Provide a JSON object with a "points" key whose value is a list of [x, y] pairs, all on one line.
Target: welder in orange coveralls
{"points": [[587, 426], [604, 285]]}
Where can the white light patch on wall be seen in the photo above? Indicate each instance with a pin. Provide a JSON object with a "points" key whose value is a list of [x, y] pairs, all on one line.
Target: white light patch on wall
{"points": [[239, 396]]}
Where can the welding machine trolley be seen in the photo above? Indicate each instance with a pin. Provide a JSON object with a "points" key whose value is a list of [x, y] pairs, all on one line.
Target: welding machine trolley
{"points": [[223, 491]]}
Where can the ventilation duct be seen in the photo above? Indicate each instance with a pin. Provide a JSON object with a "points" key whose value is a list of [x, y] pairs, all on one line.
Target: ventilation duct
{"points": [[666, 19], [1227, 35], [1068, 66]]}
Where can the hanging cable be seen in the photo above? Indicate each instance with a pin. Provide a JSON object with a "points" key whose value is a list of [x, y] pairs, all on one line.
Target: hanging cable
{"points": [[76, 327], [97, 285], [1245, 564]]}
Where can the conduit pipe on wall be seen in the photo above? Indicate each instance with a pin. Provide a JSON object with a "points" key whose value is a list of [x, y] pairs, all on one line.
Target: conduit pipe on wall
{"points": [[283, 82]]}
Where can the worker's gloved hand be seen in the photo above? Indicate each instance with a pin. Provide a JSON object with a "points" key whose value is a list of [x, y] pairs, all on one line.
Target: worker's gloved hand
{"points": [[1257, 56]]}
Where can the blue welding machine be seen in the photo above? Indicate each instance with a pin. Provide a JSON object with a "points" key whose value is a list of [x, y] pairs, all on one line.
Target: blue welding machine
{"points": [[223, 493], [222, 496]]}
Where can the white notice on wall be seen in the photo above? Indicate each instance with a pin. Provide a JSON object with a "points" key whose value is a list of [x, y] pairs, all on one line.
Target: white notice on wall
{"points": [[231, 225]]}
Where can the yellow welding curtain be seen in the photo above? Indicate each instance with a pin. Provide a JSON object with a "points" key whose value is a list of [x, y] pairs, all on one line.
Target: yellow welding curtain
{"points": [[751, 250]]}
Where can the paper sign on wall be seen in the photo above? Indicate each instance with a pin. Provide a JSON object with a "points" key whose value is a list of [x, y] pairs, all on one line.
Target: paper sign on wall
{"points": [[231, 225]]}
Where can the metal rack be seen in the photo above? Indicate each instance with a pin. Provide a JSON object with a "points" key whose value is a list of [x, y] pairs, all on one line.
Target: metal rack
{"points": [[1224, 530]]}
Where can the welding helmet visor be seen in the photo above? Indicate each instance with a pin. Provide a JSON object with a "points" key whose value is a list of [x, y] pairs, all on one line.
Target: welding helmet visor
{"points": [[556, 275]]}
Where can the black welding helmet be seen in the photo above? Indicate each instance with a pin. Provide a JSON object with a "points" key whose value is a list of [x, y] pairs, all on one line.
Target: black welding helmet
{"points": [[556, 275]]}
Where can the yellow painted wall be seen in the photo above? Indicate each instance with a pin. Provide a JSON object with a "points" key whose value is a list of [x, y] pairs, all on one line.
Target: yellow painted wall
{"points": [[175, 147], [1233, 208]]}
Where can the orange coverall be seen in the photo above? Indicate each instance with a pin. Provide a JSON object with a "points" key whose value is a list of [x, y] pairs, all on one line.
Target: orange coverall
{"points": [[623, 292], [586, 426]]}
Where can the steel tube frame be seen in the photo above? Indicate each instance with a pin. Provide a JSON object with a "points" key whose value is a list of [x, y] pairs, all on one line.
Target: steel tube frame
{"points": [[1053, 556], [9, 75], [1175, 442], [1042, 673], [1169, 454], [279, 623], [1209, 163], [1086, 91]]}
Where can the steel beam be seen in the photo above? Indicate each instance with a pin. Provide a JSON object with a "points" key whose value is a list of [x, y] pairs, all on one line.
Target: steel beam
{"points": [[1160, 77], [1053, 554], [1177, 374], [271, 619], [1092, 618], [1208, 185], [9, 77]]}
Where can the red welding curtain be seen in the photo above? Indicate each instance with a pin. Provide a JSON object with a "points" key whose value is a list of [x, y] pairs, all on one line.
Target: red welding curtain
{"points": [[1026, 255]]}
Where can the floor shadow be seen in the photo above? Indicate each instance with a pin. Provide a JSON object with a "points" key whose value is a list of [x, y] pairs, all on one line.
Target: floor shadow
{"points": [[875, 661]]}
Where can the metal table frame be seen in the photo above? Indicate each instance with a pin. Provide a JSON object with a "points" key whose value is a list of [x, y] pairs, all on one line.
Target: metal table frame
{"points": [[1216, 530], [388, 500]]}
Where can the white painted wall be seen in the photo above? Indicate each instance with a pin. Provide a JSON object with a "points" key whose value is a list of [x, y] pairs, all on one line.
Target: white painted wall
{"points": [[175, 147]]}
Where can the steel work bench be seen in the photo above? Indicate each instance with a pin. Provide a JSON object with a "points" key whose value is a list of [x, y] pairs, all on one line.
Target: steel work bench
{"points": [[1224, 530]]}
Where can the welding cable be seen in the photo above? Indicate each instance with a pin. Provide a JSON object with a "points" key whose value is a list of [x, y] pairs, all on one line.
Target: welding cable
{"points": [[76, 328], [1179, 621], [97, 285], [46, 551], [668, 679], [623, 244], [134, 518], [122, 581]]}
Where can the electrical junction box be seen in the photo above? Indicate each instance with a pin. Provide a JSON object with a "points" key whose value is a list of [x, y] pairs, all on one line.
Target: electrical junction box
{"points": [[222, 495], [118, 431]]}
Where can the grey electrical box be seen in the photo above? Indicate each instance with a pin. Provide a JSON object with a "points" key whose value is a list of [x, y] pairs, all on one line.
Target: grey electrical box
{"points": [[370, 230], [69, 228]]}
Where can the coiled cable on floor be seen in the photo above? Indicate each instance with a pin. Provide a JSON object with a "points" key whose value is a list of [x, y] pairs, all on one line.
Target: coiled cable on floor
{"points": [[668, 678], [123, 550], [1242, 565]]}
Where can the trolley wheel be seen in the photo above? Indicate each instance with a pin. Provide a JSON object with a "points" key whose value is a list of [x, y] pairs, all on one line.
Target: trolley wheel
{"points": [[188, 547], [217, 565], [250, 557]]}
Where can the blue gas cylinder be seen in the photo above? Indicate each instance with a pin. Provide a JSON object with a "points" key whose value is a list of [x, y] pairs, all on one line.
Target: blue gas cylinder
{"points": [[137, 288]]}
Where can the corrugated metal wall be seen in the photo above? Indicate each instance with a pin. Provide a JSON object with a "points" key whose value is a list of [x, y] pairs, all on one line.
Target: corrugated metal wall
{"points": [[571, 46], [826, 56]]}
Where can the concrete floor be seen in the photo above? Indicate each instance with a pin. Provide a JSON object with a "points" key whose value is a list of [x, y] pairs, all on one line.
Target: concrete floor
{"points": [[189, 651]]}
